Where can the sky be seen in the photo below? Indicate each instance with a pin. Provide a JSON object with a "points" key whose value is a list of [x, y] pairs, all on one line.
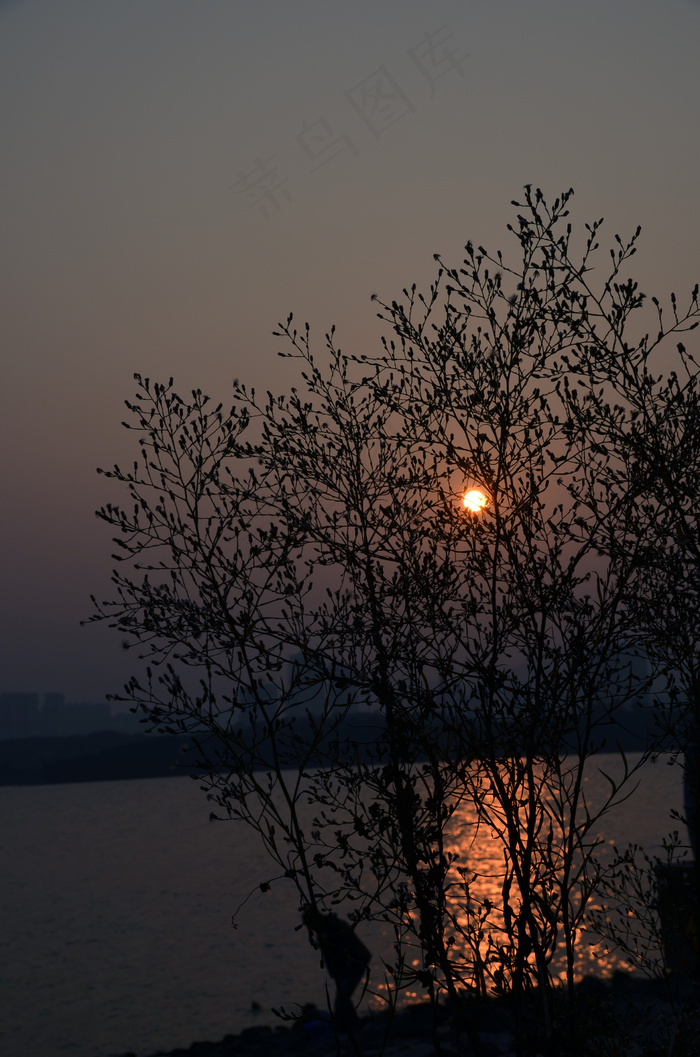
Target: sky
{"points": [[178, 176]]}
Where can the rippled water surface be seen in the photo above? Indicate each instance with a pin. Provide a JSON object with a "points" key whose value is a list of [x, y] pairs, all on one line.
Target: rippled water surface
{"points": [[116, 905]]}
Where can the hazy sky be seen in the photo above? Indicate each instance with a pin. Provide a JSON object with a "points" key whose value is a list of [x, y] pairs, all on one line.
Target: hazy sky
{"points": [[176, 177]]}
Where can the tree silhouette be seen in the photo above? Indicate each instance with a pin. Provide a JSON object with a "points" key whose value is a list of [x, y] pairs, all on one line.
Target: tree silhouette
{"points": [[306, 562]]}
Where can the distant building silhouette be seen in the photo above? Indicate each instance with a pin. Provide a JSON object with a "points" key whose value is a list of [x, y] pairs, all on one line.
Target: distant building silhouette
{"points": [[21, 717], [59, 717]]}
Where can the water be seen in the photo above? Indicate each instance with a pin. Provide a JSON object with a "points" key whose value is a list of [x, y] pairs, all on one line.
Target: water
{"points": [[116, 904]]}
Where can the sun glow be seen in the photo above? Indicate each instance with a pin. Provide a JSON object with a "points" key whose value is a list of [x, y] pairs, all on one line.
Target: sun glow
{"points": [[475, 501]]}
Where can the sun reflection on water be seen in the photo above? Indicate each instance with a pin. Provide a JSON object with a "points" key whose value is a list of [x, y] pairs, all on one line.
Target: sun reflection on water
{"points": [[477, 877], [479, 861]]}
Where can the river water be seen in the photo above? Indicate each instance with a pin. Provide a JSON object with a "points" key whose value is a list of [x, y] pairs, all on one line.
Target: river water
{"points": [[116, 916]]}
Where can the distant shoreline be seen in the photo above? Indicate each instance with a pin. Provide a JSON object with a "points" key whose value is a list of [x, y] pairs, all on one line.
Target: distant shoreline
{"points": [[113, 755], [102, 756]]}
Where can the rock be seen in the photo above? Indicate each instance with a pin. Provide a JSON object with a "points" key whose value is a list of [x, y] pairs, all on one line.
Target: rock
{"points": [[628, 1015]]}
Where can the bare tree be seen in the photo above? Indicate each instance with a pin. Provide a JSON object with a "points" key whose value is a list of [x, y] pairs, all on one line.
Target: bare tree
{"points": [[307, 561]]}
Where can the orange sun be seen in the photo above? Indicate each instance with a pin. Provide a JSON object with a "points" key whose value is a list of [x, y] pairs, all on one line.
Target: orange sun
{"points": [[475, 501]]}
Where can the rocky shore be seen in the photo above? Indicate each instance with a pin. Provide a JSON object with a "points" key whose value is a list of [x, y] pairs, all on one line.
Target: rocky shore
{"points": [[627, 1016]]}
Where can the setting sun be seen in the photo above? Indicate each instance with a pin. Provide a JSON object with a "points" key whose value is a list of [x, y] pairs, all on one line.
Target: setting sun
{"points": [[475, 501]]}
